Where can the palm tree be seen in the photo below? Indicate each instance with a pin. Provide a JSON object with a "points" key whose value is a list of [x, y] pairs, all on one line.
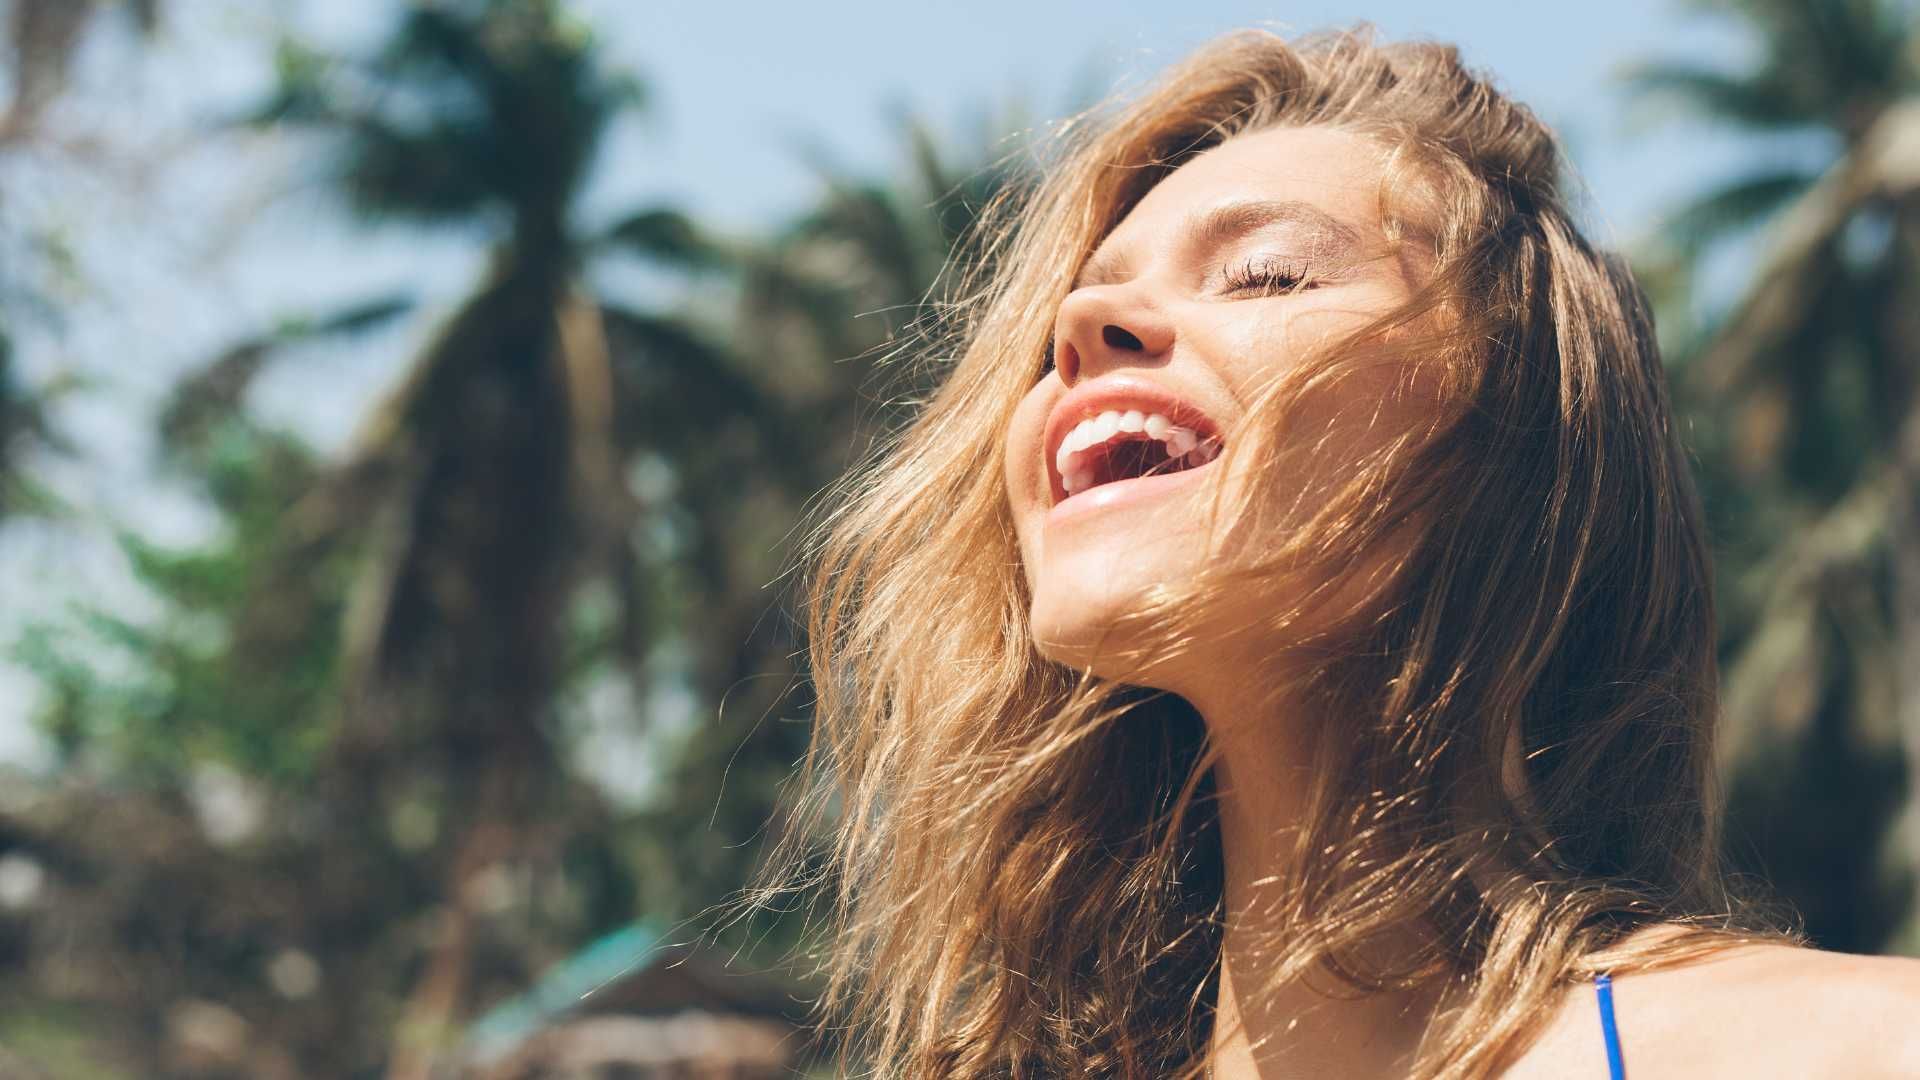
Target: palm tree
{"points": [[1807, 389], [482, 503], [399, 625]]}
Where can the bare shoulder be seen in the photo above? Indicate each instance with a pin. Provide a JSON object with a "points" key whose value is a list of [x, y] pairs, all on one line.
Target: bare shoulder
{"points": [[1771, 1010], [1830, 1013]]}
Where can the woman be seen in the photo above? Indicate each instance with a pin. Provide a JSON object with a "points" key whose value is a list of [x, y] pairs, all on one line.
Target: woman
{"points": [[1283, 645]]}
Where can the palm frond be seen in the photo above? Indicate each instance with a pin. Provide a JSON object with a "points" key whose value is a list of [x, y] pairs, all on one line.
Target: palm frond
{"points": [[661, 235], [216, 391], [468, 107], [1885, 164], [439, 172], [677, 389], [1751, 101], [1766, 686], [1733, 210]]}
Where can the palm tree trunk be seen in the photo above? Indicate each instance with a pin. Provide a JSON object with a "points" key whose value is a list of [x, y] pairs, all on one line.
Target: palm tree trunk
{"points": [[427, 1019]]}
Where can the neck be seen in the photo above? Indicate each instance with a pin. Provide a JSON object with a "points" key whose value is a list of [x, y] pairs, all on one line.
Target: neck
{"points": [[1267, 1027]]}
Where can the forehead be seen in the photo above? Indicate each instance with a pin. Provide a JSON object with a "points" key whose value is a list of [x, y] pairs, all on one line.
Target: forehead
{"points": [[1338, 173]]}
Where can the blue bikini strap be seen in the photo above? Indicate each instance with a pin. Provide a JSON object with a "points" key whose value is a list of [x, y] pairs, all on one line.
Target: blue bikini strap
{"points": [[1603, 988]]}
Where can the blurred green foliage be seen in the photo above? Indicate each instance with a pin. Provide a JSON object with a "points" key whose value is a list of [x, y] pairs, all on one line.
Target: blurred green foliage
{"points": [[1801, 401]]}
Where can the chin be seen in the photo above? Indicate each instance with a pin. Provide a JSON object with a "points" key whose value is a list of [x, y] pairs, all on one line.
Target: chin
{"points": [[1078, 617]]}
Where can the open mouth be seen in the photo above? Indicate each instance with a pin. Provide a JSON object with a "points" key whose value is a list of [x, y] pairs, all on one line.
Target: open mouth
{"points": [[1117, 445]]}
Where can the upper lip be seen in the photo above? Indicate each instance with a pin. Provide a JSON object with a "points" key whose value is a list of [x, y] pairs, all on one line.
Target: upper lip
{"points": [[1119, 392]]}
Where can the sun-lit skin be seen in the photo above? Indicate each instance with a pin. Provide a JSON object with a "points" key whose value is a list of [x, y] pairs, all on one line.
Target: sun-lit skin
{"points": [[1162, 280], [1308, 205], [1297, 202]]}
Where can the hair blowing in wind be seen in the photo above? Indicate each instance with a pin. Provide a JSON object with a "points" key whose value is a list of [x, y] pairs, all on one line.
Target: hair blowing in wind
{"points": [[1500, 614]]}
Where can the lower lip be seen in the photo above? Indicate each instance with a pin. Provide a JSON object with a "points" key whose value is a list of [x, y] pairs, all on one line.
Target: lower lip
{"points": [[1122, 492]]}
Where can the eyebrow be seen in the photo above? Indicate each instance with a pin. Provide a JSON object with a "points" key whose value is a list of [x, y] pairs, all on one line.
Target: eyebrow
{"points": [[1229, 221]]}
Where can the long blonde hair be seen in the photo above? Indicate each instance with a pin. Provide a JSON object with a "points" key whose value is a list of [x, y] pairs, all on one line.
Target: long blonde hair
{"points": [[1023, 865]]}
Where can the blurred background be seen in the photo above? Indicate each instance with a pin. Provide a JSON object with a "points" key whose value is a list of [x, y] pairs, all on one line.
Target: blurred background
{"points": [[407, 408]]}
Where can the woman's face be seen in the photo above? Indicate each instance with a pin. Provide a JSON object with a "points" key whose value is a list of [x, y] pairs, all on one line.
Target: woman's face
{"points": [[1220, 278]]}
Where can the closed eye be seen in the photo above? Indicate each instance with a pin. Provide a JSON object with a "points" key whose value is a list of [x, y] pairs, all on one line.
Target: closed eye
{"points": [[1267, 276]]}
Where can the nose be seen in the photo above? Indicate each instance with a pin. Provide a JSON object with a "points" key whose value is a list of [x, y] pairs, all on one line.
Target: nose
{"points": [[1103, 327]]}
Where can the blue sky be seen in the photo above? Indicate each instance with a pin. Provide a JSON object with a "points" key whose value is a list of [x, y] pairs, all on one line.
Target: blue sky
{"points": [[738, 87], [187, 243]]}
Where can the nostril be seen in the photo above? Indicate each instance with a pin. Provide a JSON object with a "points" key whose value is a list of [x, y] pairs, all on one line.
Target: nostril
{"points": [[1119, 338], [1066, 361]]}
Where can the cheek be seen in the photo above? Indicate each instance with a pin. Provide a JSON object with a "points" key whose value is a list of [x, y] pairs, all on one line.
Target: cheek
{"points": [[1024, 471], [1257, 347], [1308, 447]]}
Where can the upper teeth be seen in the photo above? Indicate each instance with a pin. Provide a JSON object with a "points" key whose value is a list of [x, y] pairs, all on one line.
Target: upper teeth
{"points": [[1076, 470]]}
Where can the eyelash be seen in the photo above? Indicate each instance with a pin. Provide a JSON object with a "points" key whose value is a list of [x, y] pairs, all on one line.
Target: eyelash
{"points": [[1268, 275]]}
